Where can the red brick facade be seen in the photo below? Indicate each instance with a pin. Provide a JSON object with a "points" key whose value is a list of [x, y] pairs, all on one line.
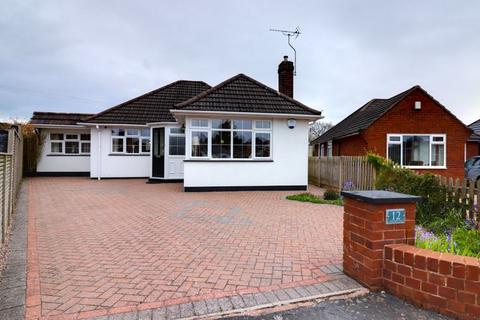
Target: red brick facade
{"points": [[404, 119], [381, 257]]}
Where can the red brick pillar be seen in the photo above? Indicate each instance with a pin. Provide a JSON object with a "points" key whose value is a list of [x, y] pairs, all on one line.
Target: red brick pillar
{"points": [[367, 229]]}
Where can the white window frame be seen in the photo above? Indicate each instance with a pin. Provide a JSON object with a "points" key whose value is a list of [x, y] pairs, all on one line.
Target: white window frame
{"points": [[431, 142], [208, 129], [330, 148], [172, 134], [322, 151], [65, 140], [124, 140]]}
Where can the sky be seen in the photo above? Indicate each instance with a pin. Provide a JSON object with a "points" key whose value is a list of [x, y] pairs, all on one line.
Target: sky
{"points": [[86, 56]]}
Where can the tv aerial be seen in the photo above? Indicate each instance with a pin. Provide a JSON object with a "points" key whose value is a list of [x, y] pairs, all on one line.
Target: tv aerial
{"points": [[290, 34]]}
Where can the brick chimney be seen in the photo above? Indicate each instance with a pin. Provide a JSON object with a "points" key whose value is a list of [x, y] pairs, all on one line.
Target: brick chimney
{"points": [[285, 77]]}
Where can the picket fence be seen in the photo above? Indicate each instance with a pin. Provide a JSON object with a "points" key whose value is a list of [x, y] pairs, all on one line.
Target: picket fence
{"points": [[338, 172]]}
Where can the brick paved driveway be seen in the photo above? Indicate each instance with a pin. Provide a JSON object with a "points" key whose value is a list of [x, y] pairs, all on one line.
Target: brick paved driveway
{"points": [[121, 243]]}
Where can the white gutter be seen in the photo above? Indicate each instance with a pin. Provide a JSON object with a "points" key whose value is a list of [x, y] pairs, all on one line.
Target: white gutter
{"points": [[99, 161], [161, 123], [66, 126], [246, 114]]}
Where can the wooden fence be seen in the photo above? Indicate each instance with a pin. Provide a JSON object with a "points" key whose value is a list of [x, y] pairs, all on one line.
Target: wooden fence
{"points": [[10, 178], [337, 172], [466, 193]]}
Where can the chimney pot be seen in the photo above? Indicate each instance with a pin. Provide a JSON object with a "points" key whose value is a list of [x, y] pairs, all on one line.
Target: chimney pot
{"points": [[285, 77]]}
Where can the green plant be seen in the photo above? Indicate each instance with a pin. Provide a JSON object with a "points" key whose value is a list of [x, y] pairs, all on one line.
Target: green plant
{"points": [[330, 194], [452, 220], [308, 197], [434, 204], [32, 148]]}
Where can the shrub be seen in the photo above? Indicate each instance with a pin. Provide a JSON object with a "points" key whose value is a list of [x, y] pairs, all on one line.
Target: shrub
{"points": [[434, 195], [461, 241], [32, 148], [330, 194]]}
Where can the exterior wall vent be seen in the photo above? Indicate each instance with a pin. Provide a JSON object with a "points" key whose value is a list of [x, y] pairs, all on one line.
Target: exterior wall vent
{"points": [[418, 105]]}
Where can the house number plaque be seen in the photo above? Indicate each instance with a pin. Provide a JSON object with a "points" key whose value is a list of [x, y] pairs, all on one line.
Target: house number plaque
{"points": [[395, 216]]}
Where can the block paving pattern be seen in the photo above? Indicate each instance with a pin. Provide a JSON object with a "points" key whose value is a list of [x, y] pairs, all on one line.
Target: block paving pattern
{"points": [[113, 245]]}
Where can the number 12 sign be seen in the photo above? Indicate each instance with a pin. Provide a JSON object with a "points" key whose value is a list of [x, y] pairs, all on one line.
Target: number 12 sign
{"points": [[395, 216]]}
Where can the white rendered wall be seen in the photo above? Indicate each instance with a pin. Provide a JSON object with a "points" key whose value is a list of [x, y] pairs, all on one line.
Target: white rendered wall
{"points": [[289, 166], [114, 165], [61, 163]]}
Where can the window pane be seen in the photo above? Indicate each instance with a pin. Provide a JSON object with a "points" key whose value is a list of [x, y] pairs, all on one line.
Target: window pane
{"points": [[394, 138], [199, 144], [221, 124], [176, 145], [56, 136], [118, 132], [145, 145], [263, 124], [242, 124], [242, 144], [56, 147], [132, 132], [177, 130], [262, 145], [145, 133], [133, 145], [416, 150], [394, 152], [85, 137], [71, 147], [117, 145], [199, 123], [71, 136], [437, 139], [86, 147], [438, 155], [221, 144]]}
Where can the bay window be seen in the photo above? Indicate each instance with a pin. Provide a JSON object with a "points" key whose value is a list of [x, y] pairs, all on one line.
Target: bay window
{"points": [[417, 151], [130, 141], [69, 143], [231, 138]]}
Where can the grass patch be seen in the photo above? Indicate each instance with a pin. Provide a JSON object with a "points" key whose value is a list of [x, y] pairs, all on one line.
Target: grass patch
{"points": [[308, 197]]}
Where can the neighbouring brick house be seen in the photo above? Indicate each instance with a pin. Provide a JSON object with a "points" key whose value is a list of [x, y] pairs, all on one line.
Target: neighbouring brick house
{"points": [[475, 138], [411, 128]]}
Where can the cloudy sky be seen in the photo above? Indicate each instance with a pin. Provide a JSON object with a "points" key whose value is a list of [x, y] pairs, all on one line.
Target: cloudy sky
{"points": [[85, 56]]}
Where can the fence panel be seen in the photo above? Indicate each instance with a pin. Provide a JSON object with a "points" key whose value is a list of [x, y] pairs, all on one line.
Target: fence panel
{"points": [[334, 172]]}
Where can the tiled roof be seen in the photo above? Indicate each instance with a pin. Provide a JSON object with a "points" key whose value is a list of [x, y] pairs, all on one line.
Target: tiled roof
{"points": [[153, 106], [58, 118], [476, 128], [362, 118], [244, 94]]}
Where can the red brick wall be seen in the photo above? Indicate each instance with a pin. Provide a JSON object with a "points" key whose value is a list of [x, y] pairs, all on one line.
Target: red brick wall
{"points": [[432, 118], [446, 283], [473, 149], [351, 146]]}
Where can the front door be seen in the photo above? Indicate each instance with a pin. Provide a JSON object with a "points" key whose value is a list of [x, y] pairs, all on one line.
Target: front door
{"points": [[158, 158]]}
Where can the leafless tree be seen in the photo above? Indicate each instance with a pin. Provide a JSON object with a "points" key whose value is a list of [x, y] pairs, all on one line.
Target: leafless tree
{"points": [[318, 128]]}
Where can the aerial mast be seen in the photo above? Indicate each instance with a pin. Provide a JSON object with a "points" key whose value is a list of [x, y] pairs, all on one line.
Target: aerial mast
{"points": [[290, 34]]}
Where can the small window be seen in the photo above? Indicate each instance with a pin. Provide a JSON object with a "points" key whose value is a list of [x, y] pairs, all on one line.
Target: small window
{"points": [[133, 145], [263, 124], [71, 147], [262, 144], [199, 144], [145, 132], [56, 136], [117, 144], [133, 132], [118, 132], [56, 147], [85, 137], [200, 123], [221, 124], [71, 136], [177, 130], [176, 145], [242, 124], [395, 138], [86, 147]]}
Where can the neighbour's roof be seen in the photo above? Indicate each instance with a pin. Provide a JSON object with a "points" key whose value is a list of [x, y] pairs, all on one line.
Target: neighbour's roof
{"points": [[244, 94], [151, 107], [363, 117], [58, 118], [476, 128]]}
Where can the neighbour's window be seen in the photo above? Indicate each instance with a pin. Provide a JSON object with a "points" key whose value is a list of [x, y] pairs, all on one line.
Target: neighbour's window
{"points": [[417, 150], [231, 138], [131, 141], [176, 142], [69, 143], [322, 150]]}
